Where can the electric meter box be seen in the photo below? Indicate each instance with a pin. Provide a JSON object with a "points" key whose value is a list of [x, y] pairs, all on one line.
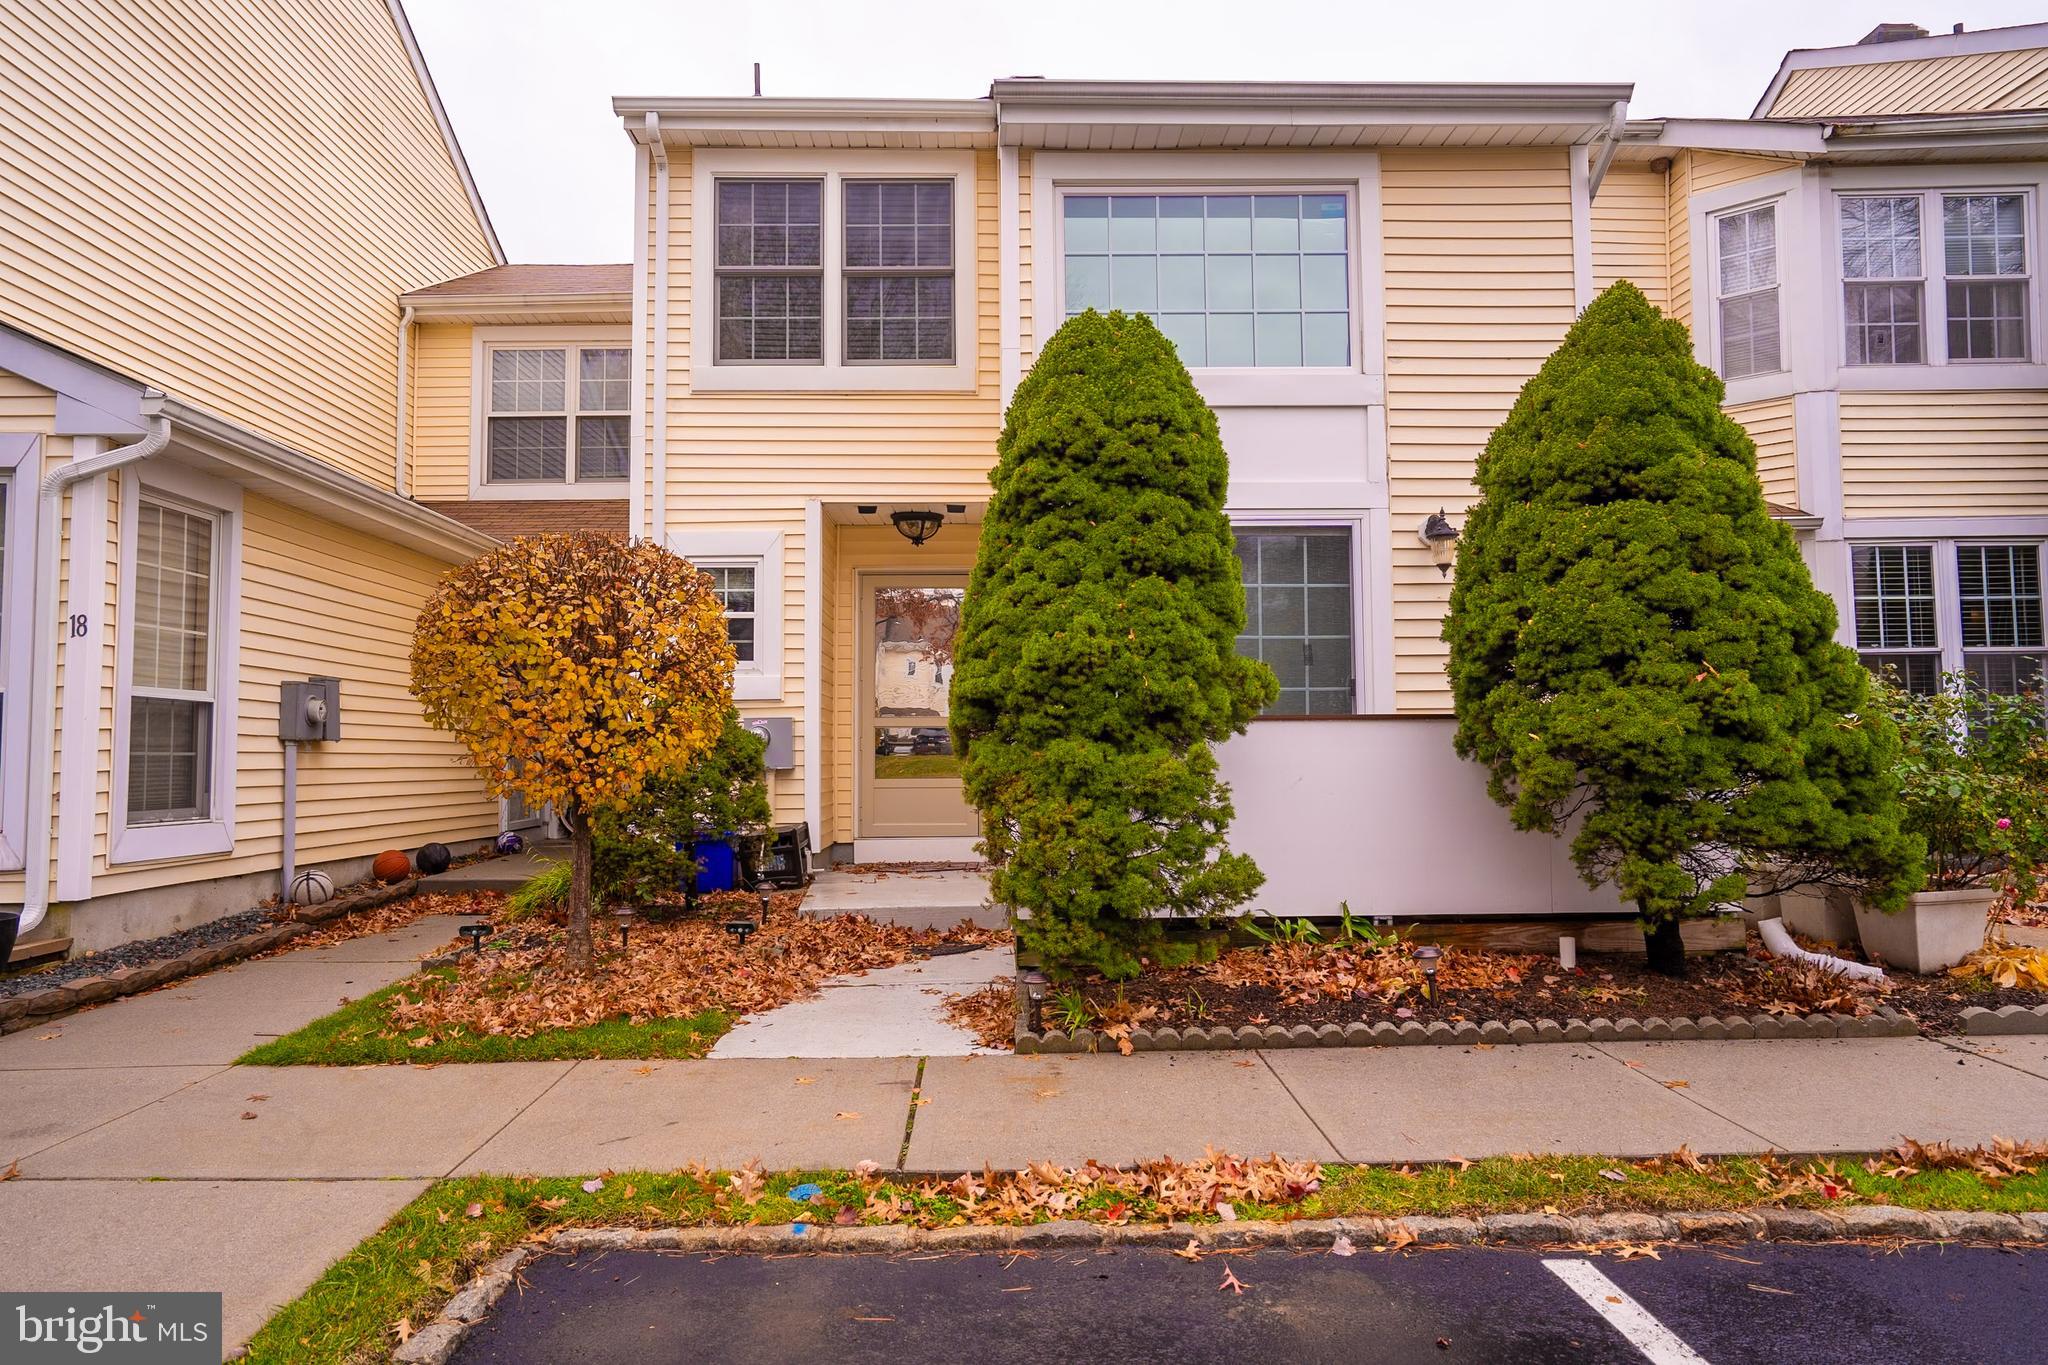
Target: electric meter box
{"points": [[309, 712], [779, 732]]}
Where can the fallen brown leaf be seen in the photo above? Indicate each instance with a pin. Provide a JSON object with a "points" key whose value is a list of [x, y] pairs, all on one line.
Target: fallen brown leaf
{"points": [[1231, 1282]]}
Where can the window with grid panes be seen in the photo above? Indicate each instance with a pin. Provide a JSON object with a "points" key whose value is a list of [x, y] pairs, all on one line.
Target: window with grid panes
{"points": [[1881, 280], [733, 585], [540, 423], [1232, 279], [898, 269], [1984, 257], [769, 268], [1297, 588], [1893, 587], [1746, 291], [171, 673], [1999, 587]]}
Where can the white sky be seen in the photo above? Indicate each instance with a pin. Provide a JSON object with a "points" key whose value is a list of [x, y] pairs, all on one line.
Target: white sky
{"points": [[529, 83]]}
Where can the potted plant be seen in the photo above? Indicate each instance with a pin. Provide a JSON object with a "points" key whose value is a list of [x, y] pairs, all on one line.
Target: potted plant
{"points": [[1973, 780]]}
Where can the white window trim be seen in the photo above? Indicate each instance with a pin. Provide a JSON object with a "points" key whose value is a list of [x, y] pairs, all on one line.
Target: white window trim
{"points": [[1716, 294], [1356, 176], [761, 551], [214, 835], [483, 341], [833, 374], [1948, 598], [21, 456], [1936, 372], [1368, 561], [1780, 191]]}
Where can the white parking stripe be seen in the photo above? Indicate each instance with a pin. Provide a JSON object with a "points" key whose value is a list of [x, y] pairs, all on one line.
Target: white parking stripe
{"points": [[1658, 1343]]}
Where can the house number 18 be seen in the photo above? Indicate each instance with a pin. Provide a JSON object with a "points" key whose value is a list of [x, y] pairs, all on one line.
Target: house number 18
{"points": [[78, 625]]}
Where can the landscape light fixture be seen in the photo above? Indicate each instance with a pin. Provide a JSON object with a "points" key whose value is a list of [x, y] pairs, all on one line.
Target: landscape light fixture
{"points": [[741, 929], [624, 915], [918, 526], [476, 934], [1427, 955], [767, 903], [1034, 983], [1440, 538]]}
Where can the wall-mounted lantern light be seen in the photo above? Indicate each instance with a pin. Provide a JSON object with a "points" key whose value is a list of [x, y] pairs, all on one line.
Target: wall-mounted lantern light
{"points": [[1440, 538], [918, 526]]}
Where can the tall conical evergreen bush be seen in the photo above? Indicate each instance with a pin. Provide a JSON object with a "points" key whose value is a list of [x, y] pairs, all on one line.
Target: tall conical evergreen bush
{"points": [[1096, 660], [1633, 639]]}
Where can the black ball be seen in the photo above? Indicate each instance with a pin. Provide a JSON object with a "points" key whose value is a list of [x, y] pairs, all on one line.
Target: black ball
{"points": [[433, 858]]}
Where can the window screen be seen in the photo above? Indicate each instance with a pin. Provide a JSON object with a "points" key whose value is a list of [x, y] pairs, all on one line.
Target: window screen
{"points": [[170, 724], [770, 274], [1297, 588]]}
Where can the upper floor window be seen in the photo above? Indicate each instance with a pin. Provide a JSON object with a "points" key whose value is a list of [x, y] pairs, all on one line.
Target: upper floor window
{"points": [[899, 271], [1746, 291], [558, 414], [1881, 284], [770, 271], [1984, 256], [1234, 280]]}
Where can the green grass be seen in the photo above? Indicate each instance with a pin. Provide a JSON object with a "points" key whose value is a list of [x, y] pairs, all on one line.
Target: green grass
{"points": [[917, 765], [361, 1032], [432, 1245]]}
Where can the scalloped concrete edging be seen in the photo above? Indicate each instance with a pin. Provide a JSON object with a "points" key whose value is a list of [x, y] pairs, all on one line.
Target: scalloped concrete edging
{"points": [[1979, 1022], [1883, 1023], [39, 1007], [435, 1343]]}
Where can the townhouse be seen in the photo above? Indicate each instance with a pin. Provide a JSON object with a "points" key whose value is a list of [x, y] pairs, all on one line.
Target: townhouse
{"points": [[212, 209]]}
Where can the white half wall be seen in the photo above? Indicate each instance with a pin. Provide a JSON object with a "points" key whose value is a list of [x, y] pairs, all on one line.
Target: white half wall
{"points": [[1379, 812]]}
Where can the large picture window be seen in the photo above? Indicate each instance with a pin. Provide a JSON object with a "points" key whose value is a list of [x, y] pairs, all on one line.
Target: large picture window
{"points": [[770, 271], [1298, 616], [1234, 280], [1746, 292], [1882, 273], [172, 676], [557, 414]]}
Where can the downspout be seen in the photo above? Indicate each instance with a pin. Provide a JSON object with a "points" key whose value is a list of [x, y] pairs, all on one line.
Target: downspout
{"points": [[657, 510], [399, 462], [1610, 143], [43, 668]]}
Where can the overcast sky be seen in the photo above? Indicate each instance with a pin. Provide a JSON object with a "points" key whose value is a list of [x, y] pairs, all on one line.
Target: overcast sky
{"points": [[529, 83]]}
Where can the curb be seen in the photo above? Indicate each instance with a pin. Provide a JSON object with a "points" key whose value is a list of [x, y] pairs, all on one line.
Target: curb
{"points": [[40, 1007], [1978, 1022], [435, 1343], [1882, 1023]]}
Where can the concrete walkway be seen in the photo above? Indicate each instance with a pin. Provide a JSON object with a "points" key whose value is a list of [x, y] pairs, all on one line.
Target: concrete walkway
{"points": [[892, 1012], [252, 1179], [936, 899]]}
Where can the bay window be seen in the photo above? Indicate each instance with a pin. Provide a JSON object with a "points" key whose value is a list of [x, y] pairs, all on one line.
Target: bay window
{"points": [[1963, 298], [1984, 256], [1746, 292], [1881, 280]]}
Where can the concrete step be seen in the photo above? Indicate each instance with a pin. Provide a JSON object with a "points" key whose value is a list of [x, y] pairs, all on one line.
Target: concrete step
{"points": [[920, 899]]}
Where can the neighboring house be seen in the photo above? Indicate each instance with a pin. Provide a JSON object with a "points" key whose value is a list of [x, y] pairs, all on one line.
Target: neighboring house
{"points": [[212, 209]]}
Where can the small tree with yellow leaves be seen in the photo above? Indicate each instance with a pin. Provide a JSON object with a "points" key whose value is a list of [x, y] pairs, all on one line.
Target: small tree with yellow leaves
{"points": [[575, 668]]}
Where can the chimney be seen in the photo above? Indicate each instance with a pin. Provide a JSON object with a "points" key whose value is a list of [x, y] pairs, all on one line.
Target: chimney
{"points": [[1891, 33]]}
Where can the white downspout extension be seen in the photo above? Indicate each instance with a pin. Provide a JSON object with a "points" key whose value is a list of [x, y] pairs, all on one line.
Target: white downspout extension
{"points": [[399, 463], [657, 510], [1778, 941], [37, 868]]}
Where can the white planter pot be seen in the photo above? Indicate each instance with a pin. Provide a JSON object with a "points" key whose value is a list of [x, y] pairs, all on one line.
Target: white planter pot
{"points": [[1935, 931], [1825, 913]]}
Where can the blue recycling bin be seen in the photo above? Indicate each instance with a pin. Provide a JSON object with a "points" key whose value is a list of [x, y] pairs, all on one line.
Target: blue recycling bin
{"points": [[717, 868]]}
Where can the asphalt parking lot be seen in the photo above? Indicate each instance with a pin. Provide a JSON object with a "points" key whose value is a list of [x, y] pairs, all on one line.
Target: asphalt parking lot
{"points": [[1731, 1306]]}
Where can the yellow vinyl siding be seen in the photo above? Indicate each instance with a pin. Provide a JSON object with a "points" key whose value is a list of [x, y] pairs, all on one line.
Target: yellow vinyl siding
{"points": [[317, 598], [441, 409], [1678, 236], [1632, 232], [1479, 290], [224, 198], [1715, 170], [1983, 82], [1769, 424], [26, 405], [752, 461], [1972, 453]]}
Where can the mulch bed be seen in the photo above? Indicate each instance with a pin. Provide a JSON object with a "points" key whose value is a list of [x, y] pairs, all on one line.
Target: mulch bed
{"points": [[1339, 984]]}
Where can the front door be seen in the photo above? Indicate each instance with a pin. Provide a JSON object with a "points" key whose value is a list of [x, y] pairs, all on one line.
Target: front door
{"points": [[909, 776]]}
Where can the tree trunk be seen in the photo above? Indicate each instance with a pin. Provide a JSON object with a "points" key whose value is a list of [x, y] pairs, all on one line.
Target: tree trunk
{"points": [[1666, 948], [577, 950]]}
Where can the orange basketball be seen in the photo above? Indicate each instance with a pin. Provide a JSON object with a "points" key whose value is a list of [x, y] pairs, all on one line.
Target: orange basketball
{"points": [[391, 866]]}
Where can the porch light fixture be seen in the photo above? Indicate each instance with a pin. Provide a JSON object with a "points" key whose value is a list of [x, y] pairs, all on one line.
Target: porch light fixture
{"points": [[1427, 955], [476, 934], [1440, 538], [918, 526]]}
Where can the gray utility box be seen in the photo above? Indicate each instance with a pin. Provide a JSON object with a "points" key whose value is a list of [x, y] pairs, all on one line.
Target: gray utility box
{"points": [[780, 732], [309, 712]]}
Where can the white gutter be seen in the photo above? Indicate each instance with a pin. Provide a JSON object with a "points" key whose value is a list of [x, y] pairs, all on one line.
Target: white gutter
{"points": [[1608, 144], [42, 668], [657, 510], [399, 471]]}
